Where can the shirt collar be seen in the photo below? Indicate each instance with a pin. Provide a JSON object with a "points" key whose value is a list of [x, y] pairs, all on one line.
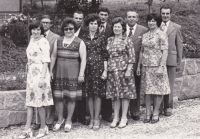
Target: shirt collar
{"points": [[104, 24], [47, 33], [167, 23], [128, 27]]}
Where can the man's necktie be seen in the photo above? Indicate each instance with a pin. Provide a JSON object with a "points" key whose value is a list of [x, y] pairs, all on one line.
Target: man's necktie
{"points": [[164, 27], [45, 35], [130, 33], [101, 28]]}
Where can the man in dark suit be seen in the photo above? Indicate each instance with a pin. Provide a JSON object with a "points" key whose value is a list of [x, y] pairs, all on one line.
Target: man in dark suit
{"points": [[135, 32], [51, 37], [175, 42], [106, 30], [80, 109]]}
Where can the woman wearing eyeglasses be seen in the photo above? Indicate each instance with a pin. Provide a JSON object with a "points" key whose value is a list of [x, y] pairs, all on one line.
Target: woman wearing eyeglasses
{"points": [[96, 69], [69, 54]]}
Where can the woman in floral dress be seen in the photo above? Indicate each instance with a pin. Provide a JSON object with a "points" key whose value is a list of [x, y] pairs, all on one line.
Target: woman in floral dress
{"points": [[120, 83], [96, 69], [38, 90], [69, 59], [153, 57]]}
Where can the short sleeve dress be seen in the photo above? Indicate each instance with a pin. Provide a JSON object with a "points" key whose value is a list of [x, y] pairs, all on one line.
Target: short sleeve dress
{"points": [[120, 55], [152, 46], [38, 53], [97, 53]]}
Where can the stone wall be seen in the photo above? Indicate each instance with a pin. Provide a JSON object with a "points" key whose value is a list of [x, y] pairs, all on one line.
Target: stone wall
{"points": [[187, 86], [12, 108], [187, 83]]}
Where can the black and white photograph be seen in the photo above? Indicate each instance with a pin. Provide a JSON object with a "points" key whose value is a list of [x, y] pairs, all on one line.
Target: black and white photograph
{"points": [[100, 69]]}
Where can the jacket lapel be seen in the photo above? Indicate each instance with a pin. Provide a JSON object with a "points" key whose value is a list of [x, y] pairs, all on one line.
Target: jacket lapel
{"points": [[170, 28], [49, 37], [136, 33]]}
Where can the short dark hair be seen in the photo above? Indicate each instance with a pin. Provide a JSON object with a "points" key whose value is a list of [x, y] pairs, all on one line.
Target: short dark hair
{"points": [[165, 7], [103, 9], [68, 21], [36, 24], [156, 17], [46, 16], [92, 18], [121, 21], [78, 12]]}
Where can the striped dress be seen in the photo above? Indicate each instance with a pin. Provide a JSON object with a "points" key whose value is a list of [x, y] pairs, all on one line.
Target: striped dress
{"points": [[67, 70]]}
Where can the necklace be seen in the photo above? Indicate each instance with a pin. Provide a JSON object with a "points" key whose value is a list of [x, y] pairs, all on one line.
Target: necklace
{"points": [[36, 39]]}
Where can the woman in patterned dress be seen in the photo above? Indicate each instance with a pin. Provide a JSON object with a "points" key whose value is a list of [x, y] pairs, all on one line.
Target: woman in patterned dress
{"points": [[120, 83], [69, 58], [96, 69], [38, 90], [153, 57]]}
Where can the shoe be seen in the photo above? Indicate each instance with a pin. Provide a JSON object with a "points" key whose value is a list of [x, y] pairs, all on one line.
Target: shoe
{"points": [[97, 125], [50, 126], [123, 123], [36, 127], [74, 120], [108, 119], [68, 127], [153, 120], [168, 112], [136, 118], [43, 132], [58, 126], [84, 121], [26, 134], [147, 119], [114, 123], [91, 124]]}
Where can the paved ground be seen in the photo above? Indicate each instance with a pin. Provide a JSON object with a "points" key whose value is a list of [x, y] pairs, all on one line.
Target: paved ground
{"points": [[184, 124]]}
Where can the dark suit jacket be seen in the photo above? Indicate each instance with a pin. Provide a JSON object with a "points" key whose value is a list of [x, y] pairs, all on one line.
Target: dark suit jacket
{"points": [[137, 42], [51, 39], [107, 32], [175, 42], [83, 30]]}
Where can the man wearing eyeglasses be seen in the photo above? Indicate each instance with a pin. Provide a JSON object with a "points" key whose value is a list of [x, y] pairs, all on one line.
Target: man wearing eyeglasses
{"points": [[51, 37]]}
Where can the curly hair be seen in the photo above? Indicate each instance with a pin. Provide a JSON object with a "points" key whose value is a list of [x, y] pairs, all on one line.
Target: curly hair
{"points": [[68, 21], [92, 18], [121, 21]]}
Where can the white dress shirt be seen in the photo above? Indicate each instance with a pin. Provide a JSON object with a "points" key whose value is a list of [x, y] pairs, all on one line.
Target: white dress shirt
{"points": [[77, 32], [164, 26], [128, 29]]}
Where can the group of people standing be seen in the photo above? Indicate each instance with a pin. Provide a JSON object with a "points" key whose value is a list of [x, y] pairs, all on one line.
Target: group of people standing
{"points": [[107, 66]]}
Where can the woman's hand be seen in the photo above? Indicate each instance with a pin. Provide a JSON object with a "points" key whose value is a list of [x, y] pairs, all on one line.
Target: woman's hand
{"points": [[138, 72], [41, 82], [80, 79], [160, 70], [128, 74], [104, 75]]}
